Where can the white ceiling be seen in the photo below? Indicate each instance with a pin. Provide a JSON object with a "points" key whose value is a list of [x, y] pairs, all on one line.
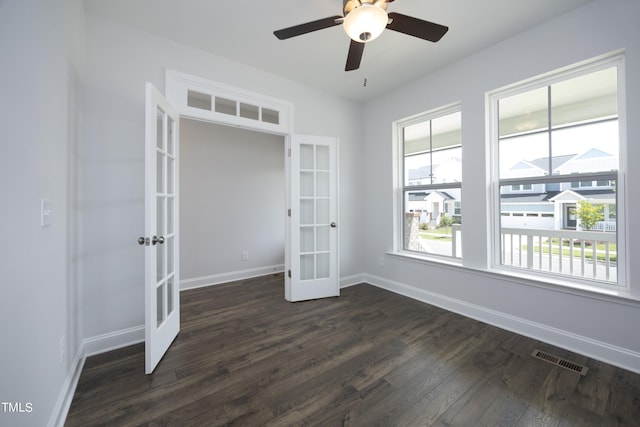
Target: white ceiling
{"points": [[243, 31]]}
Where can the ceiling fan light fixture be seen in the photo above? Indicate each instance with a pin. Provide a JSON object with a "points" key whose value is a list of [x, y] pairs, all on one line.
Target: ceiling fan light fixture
{"points": [[365, 23]]}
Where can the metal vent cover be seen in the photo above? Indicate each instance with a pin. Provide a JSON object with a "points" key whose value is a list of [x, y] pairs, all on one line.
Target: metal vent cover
{"points": [[558, 361]]}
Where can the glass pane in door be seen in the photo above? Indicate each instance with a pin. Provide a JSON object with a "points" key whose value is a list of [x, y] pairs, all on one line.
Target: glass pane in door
{"points": [[306, 212], [322, 157], [170, 295], [315, 212], [322, 238], [307, 267], [307, 157], [168, 244], [170, 206], [307, 240], [159, 305], [159, 173], [306, 184], [170, 139], [322, 269], [170, 177], [160, 129]]}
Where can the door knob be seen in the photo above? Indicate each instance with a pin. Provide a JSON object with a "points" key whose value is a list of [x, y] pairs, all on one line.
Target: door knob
{"points": [[158, 240], [333, 224], [142, 240]]}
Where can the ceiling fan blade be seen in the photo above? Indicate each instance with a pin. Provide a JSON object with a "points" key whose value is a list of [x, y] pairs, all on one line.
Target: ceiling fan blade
{"points": [[416, 27], [308, 27], [354, 56]]}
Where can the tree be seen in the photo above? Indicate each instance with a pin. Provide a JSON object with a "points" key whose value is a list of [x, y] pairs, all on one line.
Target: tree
{"points": [[589, 214], [445, 222]]}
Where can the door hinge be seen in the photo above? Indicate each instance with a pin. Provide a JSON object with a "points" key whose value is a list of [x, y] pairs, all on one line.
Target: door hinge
{"points": [[289, 152], [289, 274], [288, 212]]}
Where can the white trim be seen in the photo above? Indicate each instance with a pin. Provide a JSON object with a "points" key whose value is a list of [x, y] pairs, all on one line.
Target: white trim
{"points": [[614, 355], [90, 347], [398, 169], [178, 85], [216, 279], [113, 340], [61, 409], [612, 59], [354, 279]]}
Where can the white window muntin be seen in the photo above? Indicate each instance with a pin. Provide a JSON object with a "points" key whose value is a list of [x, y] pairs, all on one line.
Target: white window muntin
{"points": [[616, 60], [403, 188]]}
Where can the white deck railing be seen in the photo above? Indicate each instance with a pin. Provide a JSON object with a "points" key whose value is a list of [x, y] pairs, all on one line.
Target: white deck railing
{"points": [[605, 226], [567, 252]]}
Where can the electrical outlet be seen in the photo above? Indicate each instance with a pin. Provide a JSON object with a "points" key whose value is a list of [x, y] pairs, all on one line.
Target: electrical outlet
{"points": [[46, 212], [244, 256], [381, 261]]}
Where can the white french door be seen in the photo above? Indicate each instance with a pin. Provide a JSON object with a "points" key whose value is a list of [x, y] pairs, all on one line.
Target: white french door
{"points": [[162, 296], [313, 174]]}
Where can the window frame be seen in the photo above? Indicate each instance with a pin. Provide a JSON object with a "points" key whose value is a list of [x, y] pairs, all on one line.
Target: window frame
{"points": [[400, 188], [615, 59]]}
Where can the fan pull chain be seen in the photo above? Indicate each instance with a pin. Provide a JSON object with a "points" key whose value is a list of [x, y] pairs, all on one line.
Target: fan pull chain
{"points": [[364, 57]]}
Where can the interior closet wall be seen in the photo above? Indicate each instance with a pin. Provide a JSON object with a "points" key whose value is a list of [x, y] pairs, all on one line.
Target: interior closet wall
{"points": [[232, 201]]}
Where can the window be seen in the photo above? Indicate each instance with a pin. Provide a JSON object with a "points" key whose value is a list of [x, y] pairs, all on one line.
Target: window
{"points": [[558, 136], [430, 147]]}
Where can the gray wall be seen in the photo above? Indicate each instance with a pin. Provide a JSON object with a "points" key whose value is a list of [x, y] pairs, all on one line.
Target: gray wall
{"points": [[119, 62], [232, 199], [41, 46], [602, 326], [73, 132]]}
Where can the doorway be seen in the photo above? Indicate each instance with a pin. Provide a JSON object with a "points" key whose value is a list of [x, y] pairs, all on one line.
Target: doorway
{"points": [[232, 200], [571, 217]]}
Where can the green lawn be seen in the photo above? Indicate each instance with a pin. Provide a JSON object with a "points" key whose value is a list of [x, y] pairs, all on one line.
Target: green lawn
{"points": [[555, 249], [441, 234]]}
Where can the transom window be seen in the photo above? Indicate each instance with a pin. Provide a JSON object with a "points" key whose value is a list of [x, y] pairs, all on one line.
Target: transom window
{"points": [[558, 138], [430, 148]]}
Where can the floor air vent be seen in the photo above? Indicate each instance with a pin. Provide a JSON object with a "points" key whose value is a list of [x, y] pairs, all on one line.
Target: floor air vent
{"points": [[563, 363]]}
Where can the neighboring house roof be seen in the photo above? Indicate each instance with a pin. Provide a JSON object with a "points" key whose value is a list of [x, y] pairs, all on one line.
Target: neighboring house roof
{"points": [[567, 195], [528, 197], [417, 197], [427, 171], [556, 161], [420, 173], [575, 195], [551, 196], [422, 195], [445, 195], [593, 153]]}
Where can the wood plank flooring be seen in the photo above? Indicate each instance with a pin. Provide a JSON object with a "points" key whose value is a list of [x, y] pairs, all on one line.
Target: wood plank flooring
{"points": [[247, 357]]}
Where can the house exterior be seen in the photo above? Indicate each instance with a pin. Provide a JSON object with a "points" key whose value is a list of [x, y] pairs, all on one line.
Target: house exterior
{"points": [[554, 206], [432, 205]]}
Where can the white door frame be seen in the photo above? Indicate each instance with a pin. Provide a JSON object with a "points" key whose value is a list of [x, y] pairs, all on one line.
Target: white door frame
{"points": [[214, 102]]}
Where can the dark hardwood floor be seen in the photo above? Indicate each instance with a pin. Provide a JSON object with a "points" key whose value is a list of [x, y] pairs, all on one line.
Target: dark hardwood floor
{"points": [[247, 357]]}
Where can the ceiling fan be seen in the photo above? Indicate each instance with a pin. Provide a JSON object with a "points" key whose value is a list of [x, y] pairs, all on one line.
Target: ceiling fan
{"points": [[363, 21]]}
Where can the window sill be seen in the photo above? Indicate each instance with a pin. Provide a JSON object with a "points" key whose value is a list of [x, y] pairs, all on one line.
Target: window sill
{"points": [[620, 296]]}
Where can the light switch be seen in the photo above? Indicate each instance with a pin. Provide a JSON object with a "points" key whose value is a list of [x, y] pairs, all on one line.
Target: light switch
{"points": [[46, 213]]}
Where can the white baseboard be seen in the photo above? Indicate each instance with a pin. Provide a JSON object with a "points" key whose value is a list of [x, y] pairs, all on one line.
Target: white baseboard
{"points": [[605, 352], [113, 340], [61, 409], [614, 355], [216, 279], [90, 347], [354, 279]]}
